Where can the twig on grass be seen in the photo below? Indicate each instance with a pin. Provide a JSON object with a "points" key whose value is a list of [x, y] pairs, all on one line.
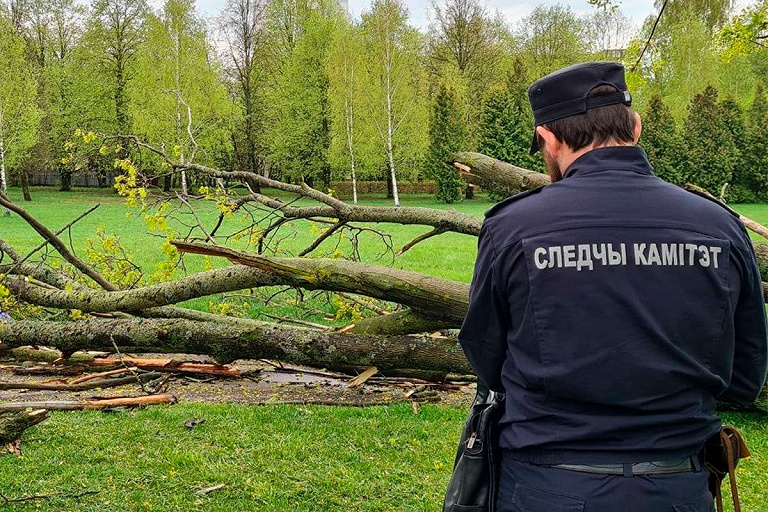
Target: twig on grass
{"points": [[46, 496]]}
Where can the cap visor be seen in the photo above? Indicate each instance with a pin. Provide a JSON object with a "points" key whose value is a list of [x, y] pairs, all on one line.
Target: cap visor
{"points": [[534, 145]]}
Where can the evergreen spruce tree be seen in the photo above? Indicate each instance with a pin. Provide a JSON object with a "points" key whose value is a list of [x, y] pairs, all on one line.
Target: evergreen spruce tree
{"points": [[756, 137], [507, 130], [741, 186], [662, 142], [447, 134], [709, 144]]}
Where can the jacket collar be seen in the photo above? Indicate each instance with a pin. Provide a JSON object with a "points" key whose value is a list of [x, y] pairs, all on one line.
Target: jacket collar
{"points": [[630, 158]]}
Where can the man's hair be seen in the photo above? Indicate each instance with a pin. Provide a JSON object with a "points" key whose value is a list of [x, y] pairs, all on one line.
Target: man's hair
{"points": [[596, 126]]}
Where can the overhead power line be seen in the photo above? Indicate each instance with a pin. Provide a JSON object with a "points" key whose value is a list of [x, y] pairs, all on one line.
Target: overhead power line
{"points": [[650, 36]]}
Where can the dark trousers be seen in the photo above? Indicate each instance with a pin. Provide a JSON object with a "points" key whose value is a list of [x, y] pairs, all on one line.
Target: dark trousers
{"points": [[530, 488]]}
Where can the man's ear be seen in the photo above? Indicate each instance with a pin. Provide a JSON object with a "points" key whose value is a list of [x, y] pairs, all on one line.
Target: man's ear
{"points": [[638, 127], [553, 145]]}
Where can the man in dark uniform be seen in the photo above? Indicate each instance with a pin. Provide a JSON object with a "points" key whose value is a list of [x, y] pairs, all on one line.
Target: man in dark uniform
{"points": [[613, 309]]}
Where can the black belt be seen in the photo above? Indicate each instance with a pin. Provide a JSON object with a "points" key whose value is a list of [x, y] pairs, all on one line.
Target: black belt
{"points": [[638, 468]]}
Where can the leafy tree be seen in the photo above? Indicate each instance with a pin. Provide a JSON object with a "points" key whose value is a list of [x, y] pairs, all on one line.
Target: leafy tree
{"points": [[19, 113], [713, 13], [662, 142], [466, 42], [300, 132], [710, 148], [741, 186], [755, 159], [181, 104], [447, 134], [552, 37], [115, 30], [396, 90], [52, 29]]}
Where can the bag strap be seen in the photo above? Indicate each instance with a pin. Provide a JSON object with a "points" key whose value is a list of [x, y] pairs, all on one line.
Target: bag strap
{"points": [[734, 448]]}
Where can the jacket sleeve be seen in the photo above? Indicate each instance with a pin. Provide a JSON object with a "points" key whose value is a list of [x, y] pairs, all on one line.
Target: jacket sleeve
{"points": [[751, 339], [483, 335]]}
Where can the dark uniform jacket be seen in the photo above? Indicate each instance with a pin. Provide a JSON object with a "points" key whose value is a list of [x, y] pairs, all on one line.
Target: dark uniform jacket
{"points": [[614, 309]]}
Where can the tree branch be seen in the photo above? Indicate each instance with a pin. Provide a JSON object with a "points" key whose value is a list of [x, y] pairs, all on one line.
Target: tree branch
{"points": [[442, 298]]}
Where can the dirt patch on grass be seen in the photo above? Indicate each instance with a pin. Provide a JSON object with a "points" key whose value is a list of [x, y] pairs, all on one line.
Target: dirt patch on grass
{"points": [[261, 383]]}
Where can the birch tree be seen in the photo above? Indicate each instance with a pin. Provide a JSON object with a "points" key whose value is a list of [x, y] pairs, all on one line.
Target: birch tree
{"points": [[351, 151], [397, 107]]}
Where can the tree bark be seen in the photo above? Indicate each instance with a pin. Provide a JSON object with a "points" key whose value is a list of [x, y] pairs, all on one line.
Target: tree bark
{"points": [[402, 322], [229, 342], [12, 425], [496, 175], [24, 178]]}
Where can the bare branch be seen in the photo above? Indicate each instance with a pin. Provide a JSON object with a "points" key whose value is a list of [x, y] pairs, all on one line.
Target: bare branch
{"points": [[328, 232], [420, 238]]}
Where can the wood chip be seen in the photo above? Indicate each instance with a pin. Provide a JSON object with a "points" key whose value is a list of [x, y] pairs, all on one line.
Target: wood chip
{"points": [[209, 490], [360, 379], [415, 406]]}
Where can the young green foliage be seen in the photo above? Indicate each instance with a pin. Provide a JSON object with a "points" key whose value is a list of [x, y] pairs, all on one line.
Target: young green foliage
{"points": [[397, 110], [299, 134], [19, 113]]}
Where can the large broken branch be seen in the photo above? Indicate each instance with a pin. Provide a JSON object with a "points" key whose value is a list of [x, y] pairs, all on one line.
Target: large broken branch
{"points": [[228, 342], [440, 219], [493, 174], [197, 285], [441, 297], [82, 386]]}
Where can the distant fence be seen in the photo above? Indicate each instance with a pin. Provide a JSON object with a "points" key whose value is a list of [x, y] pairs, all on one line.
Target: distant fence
{"points": [[340, 188], [79, 179], [344, 188]]}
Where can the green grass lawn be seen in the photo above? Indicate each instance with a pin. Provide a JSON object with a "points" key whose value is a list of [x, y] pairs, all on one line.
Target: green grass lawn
{"points": [[284, 458], [270, 458]]}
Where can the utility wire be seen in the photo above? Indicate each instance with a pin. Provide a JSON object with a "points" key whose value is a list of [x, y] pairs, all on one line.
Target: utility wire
{"points": [[648, 42]]}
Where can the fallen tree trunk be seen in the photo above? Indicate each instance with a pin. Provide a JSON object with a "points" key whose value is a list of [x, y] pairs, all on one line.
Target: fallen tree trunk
{"points": [[228, 342], [90, 300]]}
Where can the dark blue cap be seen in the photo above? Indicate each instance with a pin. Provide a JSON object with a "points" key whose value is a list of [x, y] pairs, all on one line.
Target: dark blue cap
{"points": [[565, 92]]}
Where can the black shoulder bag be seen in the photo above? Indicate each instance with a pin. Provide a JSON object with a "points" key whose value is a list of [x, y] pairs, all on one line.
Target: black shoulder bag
{"points": [[475, 480]]}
